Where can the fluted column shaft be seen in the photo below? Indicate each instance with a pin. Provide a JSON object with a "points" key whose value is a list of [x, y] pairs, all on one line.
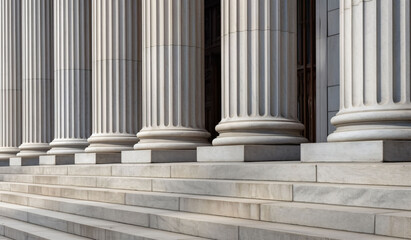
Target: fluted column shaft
{"points": [[259, 73], [173, 75], [10, 77], [37, 67], [116, 74], [72, 76], [375, 98]]}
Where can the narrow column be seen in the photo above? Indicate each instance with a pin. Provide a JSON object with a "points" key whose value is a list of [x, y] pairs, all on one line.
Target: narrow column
{"points": [[259, 73], [37, 65], [72, 76], [116, 75], [173, 75], [375, 99], [10, 78]]}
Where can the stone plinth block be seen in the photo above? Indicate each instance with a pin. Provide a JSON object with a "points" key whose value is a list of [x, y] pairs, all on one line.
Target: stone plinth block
{"points": [[248, 153], [158, 156], [97, 158], [24, 161], [56, 159], [360, 151]]}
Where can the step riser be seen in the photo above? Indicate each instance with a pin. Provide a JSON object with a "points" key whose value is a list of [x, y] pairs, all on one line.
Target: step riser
{"points": [[375, 197]]}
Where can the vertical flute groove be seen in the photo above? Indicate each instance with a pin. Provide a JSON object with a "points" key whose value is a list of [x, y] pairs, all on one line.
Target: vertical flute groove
{"points": [[37, 77], [116, 64], [173, 75], [10, 77], [72, 74]]}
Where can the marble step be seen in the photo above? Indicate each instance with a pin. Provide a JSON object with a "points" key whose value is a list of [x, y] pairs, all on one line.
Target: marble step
{"points": [[391, 197], [86, 226], [227, 188], [15, 229], [348, 173], [353, 219], [213, 227], [222, 206], [275, 171]]}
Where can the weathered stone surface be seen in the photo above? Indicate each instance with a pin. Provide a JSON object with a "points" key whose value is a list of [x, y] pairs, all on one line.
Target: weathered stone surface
{"points": [[144, 170], [397, 224], [277, 171], [374, 174], [257, 190], [353, 219], [354, 195]]}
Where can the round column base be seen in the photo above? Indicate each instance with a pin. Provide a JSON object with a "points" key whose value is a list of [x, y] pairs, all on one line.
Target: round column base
{"points": [[110, 143], [33, 149], [67, 146], [8, 152], [172, 139], [259, 132], [371, 125]]}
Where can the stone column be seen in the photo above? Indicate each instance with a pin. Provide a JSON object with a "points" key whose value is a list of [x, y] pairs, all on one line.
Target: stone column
{"points": [[10, 78], [374, 121], [173, 75], [375, 99], [116, 75], [72, 74], [37, 65], [259, 73]]}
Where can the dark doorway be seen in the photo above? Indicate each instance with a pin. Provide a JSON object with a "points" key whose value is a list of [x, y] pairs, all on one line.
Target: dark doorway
{"points": [[212, 21], [306, 66]]}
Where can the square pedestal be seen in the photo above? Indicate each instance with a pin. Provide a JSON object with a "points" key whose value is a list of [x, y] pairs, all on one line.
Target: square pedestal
{"points": [[248, 153], [97, 158], [56, 159], [360, 151], [158, 156], [24, 161]]}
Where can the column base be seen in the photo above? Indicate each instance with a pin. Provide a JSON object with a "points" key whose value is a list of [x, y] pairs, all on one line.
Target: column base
{"points": [[172, 139], [56, 159], [110, 143], [158, 156], [359, 151], [8, 152], [265, 131], [24, 161], [248, 153], [97, 158], [33, 150], [67, 146]]}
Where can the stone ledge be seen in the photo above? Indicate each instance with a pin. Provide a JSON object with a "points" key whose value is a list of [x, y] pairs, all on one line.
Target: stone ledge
{"points": [[248, 153], [158, 156], [360, 151]]}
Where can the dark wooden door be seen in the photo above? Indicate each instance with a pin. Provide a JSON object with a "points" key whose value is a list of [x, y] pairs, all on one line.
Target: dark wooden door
{"points": [[212, 65], [306, 66]]}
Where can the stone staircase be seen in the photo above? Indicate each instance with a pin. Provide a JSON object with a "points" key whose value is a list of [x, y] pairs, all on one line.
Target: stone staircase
{"points": [[276, 200]]}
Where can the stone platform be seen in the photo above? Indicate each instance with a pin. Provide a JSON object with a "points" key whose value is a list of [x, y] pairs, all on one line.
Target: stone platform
{"points": [[230, 201]]}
